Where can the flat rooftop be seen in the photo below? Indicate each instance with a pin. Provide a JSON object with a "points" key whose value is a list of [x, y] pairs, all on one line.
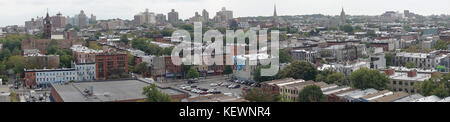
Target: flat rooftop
{"points": [[105, 91], [404, 76], [410, 98]]}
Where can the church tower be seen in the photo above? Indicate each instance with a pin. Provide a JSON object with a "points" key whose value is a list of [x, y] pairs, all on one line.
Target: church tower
{"points": [[275, 10], [47, 27], [343, 20]]}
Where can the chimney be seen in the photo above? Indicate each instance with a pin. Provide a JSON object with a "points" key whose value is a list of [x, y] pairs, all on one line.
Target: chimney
{"points": [[412, 73], [389, 72]]}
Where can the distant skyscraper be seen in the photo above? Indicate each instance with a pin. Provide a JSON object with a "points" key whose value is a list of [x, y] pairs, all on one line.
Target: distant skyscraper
{"points": [[224, 15], [145, 17], [47, 27], [343, 20], [160, 19], [93, 19], [82, 19], [173, 16], [205, 15], [58, 21]]}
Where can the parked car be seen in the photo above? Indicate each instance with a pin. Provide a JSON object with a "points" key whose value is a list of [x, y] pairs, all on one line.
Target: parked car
{"points": [[231, 86], [237, 86], [220, 83], [213, 84], [245, 88]]}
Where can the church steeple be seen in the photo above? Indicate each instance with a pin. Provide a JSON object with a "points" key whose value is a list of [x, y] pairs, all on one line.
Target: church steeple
{"points": [[275, 10], [47, 27], [343, 18]]}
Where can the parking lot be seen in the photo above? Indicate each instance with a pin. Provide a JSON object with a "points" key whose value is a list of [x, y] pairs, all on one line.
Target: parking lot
{"points": [[214, 85]]}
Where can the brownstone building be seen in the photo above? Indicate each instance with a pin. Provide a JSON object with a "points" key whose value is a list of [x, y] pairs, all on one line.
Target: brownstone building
{"points": [[109, 64]]}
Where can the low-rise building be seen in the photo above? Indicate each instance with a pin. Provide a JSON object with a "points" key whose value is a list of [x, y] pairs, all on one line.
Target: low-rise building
{"points": [[42, 78], [405, 81], [40, 61], [83, 54], [309, 56], [107, 91]]}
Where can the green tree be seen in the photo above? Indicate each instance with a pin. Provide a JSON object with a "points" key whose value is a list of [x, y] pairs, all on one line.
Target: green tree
{"points": [[365, 78], [441, 45], [285, 57], [228, 70], [258, 95], [124, 39], [16, 51], [347, 28], [337, 78], [5, 54], [192, 73], [141, 68], [17, 63], [434, 86], [65, 61], [311, 93], [389, 59], [155, 95], [299, 70], [257, 75], [4, 78], [410, 65]]}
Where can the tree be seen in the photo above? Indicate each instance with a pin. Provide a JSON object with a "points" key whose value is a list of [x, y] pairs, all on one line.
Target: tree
{"points": [[433, 86], [65, 61], [258, 95], [16, 51], [4, 78], [347, 28], [299, 70], [410, 65], [17, 63], [124, 39], [389, 59], [155, 95], [5, 54], [192, 73], [167, 51], [228, 70], [285, 57], [311, 93], [441, 45], [365, 78], [337, 78], [257, 75], [141, 68]]}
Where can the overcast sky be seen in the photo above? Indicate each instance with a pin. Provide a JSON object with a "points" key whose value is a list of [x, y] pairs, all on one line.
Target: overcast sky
{"points": [[18, 11]]}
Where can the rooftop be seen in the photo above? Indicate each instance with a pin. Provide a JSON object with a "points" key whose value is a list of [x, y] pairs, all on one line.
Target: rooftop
{"points": [[428, 99], [412, 55], [391, 97], [410, 98], [404, 76], [105, 91]]}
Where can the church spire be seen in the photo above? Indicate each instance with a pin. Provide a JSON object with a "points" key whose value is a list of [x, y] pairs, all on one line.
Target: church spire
{"points": [[275, 10]]}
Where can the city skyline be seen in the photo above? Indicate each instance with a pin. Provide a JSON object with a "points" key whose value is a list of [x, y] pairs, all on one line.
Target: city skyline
{"points": [[17, 12]]}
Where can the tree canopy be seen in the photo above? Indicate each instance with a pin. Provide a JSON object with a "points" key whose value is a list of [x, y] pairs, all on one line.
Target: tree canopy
{"points": [[155, 95], [192, 73], [365, 78], [299, 70], [258, 95], [311, 93]]}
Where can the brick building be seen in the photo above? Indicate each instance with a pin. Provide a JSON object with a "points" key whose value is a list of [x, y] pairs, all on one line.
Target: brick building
{"points": [[42, 44], [111, 63]]}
